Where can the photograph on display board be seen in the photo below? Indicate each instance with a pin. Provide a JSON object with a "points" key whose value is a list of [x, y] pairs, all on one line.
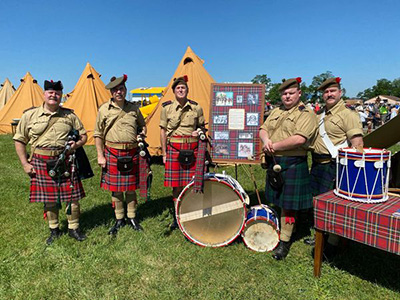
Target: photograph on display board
{"points": [[252, 99], [224, 98], [221, 135], [220, 119], [221, 149], [245, 135], [245, 150], [239, 99], [252, 119]]}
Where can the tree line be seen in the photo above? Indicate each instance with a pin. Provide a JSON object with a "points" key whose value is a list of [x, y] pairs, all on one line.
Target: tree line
{"points": [[310, 94]]}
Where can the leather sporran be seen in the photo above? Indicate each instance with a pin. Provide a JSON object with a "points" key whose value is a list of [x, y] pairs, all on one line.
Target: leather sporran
{"points": [[125, 164], [186, 157], [275, 179], [53, 170]]}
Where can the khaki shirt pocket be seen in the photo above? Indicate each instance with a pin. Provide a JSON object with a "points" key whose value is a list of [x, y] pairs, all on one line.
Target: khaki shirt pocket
{"points": [[63, 126], [289, 125], [38, 127], [272, 123]]}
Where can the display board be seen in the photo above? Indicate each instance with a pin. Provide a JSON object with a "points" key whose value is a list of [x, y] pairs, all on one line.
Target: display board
{"points": [[236, 114]]}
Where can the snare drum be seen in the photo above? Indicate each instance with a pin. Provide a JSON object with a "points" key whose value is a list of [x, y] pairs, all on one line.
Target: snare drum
{"points": [[261, 231], [363, 177], [215, 217]]}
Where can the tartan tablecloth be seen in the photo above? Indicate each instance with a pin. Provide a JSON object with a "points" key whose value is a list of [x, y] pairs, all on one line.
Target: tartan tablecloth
{"points": [[371, 224]]}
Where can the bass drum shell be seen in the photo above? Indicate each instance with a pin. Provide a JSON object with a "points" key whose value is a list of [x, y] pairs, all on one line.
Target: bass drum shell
{"points": [[214, 218]]}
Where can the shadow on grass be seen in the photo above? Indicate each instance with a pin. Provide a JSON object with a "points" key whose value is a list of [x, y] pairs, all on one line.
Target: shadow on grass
{"points": [[370, 264], [104, 214]]}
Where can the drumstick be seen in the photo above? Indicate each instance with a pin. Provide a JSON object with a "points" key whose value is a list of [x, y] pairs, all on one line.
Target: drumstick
{"points": [[393, 194], [255, 184]]}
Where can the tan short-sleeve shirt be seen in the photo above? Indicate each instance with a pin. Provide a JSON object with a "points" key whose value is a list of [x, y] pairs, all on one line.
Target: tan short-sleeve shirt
{"points": [[283, 123], [34, 122], [123, 130], [341, 124], [178, 120]]}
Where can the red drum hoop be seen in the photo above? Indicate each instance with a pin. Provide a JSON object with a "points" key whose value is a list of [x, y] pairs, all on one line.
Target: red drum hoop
{"points": [[216, 217]]}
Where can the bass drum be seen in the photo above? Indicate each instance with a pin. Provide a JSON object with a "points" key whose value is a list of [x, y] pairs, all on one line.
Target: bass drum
{"points": [[216, 217]]}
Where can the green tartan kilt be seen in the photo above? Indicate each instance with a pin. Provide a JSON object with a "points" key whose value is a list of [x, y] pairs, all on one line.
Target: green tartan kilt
{"points": [[296, 191], [323, 177]]}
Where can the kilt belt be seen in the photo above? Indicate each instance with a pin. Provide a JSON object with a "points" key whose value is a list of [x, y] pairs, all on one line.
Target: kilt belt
{"points": [[121, 146], [182, 140], [322, 158], [48, 152]]}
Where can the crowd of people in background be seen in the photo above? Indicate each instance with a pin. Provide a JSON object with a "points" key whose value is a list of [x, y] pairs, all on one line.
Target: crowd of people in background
{"points": [[372, 115]]}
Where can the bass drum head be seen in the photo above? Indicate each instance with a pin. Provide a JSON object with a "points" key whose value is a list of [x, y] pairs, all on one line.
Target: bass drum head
{"points": [[260, 236], [213, 218]]}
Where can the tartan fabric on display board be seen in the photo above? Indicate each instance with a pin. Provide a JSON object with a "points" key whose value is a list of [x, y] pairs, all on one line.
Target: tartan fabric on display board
{"points": [[177, 175], [114, 180], [322, 177], [236, 144], [46, 189], [375, 225], [296, 191]]}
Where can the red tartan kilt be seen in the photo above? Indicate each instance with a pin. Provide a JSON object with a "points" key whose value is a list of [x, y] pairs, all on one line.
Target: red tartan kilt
{"points": [[115, 181], [45, 189], [177, 175]]}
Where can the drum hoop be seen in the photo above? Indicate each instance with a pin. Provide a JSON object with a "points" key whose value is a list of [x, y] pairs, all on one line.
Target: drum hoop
{"points": [[384, 199], [383, 151], [252, 220], [225, 243]]}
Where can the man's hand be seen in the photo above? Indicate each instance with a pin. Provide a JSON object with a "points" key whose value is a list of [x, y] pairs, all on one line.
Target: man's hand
{"points": [[28, 168], [101, 160], [268, 146]]}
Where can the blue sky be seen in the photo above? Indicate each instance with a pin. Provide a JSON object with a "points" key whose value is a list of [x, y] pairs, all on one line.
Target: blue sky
{"points": [[356, 40]]}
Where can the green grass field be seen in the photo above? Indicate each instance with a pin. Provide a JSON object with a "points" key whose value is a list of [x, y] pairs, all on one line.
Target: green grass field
{"points": [[153, 264]]}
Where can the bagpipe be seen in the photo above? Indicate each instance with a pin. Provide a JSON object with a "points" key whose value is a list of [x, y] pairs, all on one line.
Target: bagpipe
{"points": [[203, 160], [145, 173], [66, 165]]}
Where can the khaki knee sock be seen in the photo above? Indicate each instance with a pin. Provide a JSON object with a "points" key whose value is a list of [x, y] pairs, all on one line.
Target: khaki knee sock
{"points": [[52, 215], [286, 230], [73, 218], [118, 200], [131, 204]]}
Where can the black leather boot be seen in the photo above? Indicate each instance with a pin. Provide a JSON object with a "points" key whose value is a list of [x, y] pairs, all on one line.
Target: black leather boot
{"points": [[54, 234], [76, 234], [134, 224], [118, 224], [282, 250]]}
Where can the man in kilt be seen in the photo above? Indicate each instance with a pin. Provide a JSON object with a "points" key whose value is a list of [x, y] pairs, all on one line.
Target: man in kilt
{"points": [[179, 121], [47, 128], [339, 126], [117, 126], [285, 135]]}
